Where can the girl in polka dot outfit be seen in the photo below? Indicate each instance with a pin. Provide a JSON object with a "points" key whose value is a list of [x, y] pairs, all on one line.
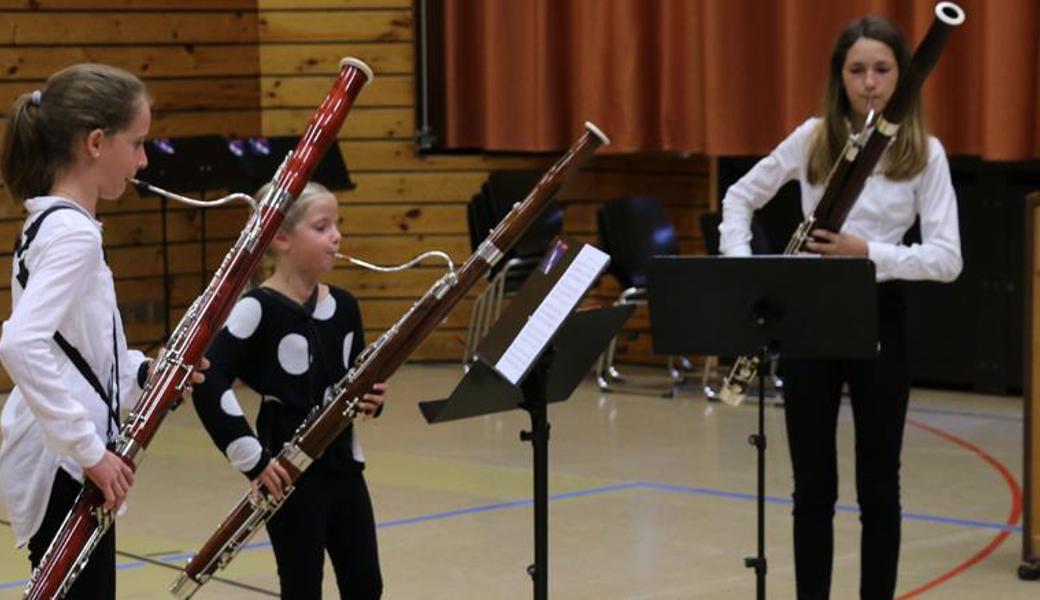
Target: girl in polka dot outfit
{"points": [[290, 339]]}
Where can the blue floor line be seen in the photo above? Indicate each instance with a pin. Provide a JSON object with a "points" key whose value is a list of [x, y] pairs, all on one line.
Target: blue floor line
{"points": [[647, 485], [840, 507]]}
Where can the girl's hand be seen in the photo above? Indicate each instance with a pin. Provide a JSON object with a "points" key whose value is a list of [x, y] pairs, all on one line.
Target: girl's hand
{"points": [[113, 477], [196, 375], [373, 400], [202, 365], [274, 477], [829, 243]]}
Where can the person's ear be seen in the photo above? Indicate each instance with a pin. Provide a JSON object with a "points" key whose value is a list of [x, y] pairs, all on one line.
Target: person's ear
{"points": [[92, 141], [280, 241]]}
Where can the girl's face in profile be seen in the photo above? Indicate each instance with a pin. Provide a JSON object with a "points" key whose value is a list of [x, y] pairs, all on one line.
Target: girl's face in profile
{"points": [[121, 154], [313, 242]]}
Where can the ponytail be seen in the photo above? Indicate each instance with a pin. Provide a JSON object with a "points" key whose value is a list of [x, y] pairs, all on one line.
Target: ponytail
{"points": [[23, 162]]}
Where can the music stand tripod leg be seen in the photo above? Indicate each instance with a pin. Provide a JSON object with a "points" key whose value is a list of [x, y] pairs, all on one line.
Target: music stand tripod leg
{"points": [[758, 440]]}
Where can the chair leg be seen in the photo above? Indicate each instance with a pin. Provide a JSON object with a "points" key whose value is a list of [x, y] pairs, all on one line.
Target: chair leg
{"points": [[472, 331], [499, 297], [778, 382], [610, 370], [710, 364], [674, 373], [601, 369], [489, 310]]}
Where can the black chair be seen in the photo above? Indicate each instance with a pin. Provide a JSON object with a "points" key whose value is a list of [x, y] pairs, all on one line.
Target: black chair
{"points": [[632, 230], [486, 209], [760, 239]]}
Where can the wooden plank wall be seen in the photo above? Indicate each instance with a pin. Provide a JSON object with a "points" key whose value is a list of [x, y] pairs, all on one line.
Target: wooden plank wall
{"points": [[200, 61], [249, 67]]}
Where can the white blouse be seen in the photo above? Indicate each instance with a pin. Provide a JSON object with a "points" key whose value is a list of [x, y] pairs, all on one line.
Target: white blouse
{"points": [[53, 418], [883, 213]]}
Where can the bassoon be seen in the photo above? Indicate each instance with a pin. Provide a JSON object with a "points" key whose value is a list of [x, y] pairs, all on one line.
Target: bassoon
{"points": [[856, 162], [378, 361], [87, 521]]}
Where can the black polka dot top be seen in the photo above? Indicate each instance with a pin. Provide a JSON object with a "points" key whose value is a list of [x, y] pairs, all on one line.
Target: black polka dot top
{"points": [[289, 354]]}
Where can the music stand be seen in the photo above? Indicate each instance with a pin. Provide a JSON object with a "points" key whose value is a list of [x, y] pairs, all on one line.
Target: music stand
{"points": [[192, 164], [801, 307], [548, 369], [261, 157]]}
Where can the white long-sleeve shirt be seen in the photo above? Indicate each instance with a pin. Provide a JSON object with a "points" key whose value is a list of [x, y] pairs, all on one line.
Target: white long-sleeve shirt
{"points": [[54, 418], [881, 215]]}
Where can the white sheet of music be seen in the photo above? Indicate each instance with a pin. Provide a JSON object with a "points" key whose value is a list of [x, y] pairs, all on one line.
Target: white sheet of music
{"points": [[549, 315]]}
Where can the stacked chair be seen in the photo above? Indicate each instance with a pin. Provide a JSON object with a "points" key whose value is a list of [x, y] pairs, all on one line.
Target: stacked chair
{"points": [[486, 208], [632, 229]]}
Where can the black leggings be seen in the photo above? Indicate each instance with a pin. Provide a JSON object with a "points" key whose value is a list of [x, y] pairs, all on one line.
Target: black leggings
{"points": [[328, 511], [98, 579], [879, 391]]}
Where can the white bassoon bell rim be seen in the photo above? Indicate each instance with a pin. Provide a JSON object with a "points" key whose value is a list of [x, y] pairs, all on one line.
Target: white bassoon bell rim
{"points": [[596, 131], [949, 13], [360, 65]]}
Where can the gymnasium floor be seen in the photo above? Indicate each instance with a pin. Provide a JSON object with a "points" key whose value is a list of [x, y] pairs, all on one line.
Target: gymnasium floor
{"points": [[652, 499]]}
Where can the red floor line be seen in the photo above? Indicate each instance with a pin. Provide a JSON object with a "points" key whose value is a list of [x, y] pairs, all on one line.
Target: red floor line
{"points": [[1013, 517]]}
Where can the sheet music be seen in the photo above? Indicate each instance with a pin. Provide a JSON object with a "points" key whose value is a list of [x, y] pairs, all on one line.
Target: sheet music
{"points": [[549, 315]]}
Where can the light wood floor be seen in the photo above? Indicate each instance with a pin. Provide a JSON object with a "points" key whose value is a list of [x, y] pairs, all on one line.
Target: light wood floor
{"points": [[652, 499]]}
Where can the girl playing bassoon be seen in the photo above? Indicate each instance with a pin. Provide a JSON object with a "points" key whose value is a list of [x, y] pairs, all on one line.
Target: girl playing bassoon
{"points": [[289, 339], [912, 181], [67, 146]]}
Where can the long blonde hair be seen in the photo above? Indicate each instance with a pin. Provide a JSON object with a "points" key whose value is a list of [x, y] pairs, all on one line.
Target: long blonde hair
{"points": [[908, 154]]}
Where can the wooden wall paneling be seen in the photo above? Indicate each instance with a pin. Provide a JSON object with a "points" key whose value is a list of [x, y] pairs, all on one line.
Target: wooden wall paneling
{"points": [[238, 122], [395, 187], [200, 61], [332, 25], [372, 122], [316, 58], [307, 91], [103, 27], [311, 4], [138, 5], [214, 59], [398, 156]]}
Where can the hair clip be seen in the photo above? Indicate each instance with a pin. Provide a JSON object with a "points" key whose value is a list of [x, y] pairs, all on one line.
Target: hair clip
{"points": [[36, 98]]}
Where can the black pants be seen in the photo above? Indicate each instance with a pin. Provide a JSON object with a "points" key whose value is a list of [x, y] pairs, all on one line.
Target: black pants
{"points": [[98, 579], [328, 511], [879, 390]]}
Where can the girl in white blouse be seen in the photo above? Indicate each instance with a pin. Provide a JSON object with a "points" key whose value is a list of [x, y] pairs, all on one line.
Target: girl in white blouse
{"points": [[912, 180], [66, 146]]}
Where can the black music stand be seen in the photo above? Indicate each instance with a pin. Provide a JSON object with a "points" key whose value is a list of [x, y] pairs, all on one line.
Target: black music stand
{"points": [[549, 373], [189, 165], [261, 157], [800, 307]]}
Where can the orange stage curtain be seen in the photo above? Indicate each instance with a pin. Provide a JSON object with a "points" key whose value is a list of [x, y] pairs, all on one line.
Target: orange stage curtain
{"points": [[717, 77]]}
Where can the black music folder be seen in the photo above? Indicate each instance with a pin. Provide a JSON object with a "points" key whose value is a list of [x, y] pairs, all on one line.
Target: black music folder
{"points": [[802, 306]]}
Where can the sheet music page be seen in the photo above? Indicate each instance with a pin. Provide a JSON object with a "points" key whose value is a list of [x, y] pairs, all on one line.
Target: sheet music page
{"points": [[549, 315]]}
